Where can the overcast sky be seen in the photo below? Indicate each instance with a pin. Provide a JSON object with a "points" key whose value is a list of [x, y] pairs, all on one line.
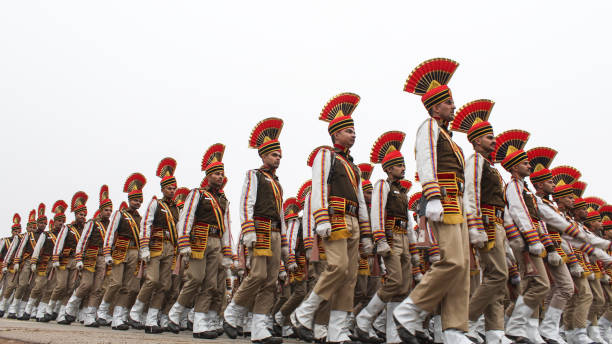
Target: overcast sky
{"points": [[93, 91]]}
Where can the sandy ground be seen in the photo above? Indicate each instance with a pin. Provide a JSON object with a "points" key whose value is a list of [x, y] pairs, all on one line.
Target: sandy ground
{"points": [[18, 332]]}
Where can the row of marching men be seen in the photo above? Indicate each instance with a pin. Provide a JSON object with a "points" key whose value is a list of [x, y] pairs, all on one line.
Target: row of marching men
{"points": [[489, 260]]}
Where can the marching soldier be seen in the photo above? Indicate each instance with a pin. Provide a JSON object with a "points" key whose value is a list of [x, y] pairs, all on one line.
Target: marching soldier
{"points": [[263, 231], [158, 242], [23, 257], [90, 261], [342, 221], [393, 235], [440, 164], [63, 258], [41, 257], [8, 273], [121, 246]]}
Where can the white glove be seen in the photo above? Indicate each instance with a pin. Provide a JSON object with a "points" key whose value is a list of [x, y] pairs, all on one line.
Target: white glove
{"points": [[226, 262], [185, 251], [324, 230], [4, 270], [292, 267], [517, 244], [434, 210], [418, 277], [240, 273], [56, 264], [382, 248], [308, 253], [366, 246], [576, 270], [108, 259], [33, 267], [515, 280], [247, 262], [554, 259], [16, 267], [434, 258], [79, 265], [478, 238], [282, 275], [415, 259], [536, 249], [605, 277], [145, 254], [249, 239], [285, 252], [582, 236], [591, 276]]}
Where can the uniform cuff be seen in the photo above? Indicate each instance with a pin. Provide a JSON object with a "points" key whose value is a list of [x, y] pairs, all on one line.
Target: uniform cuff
{"points": [[431, 189], [248, 226], [321, 216], [512, 232]]}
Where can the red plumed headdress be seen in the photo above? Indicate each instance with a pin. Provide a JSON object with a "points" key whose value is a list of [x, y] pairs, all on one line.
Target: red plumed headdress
{"points": [[406, 184], [413, 201], [594, 203], [540, 159], [134, 184], [59, 209], [338, 110], [429, 80], [578, 188], [509, 148], [105, 198], [264, 136], [41, 212], [291, 208], [564, 177], [16, 222], [472, 119], [165, 170], [78, 202], [303, 191], [386, 149], [212, 159], [180, 195], [32, 217]]}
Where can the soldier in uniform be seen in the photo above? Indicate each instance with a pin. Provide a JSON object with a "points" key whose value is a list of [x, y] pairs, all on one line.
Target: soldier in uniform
{"points": [[90, 261], [484, 208], [8, 273], [121, 246], [204, 242], [263, 231], [41, 257], [158, 242], [64, 262], [440, 164], [393, 235], [22, 260], [341, 220]]}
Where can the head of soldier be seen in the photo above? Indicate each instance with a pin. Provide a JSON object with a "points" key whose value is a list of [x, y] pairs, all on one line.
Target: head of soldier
{"points": [[580, 213], [444, 110], [565, 203], [545, 187], [106, 212], [345, 137], [169, 190], [215, 179], [134, 202], [80, 217], [521, 170], [484, 144], [367, 195], [58, 223], [396, 172], [32, 227], [15, 230], [271, 160], [41, 224]]}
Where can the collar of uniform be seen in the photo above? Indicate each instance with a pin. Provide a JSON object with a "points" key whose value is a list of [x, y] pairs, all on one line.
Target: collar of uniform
{"points": [[168, 201], [272, 172], [210, 189], [345, 152], [443, 125]]}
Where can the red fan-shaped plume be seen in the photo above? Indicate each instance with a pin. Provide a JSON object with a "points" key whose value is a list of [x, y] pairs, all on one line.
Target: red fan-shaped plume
{"points": [[32, 216], [438, 69], [59, 207], [123, 205], [96, 214], [269, 128], [214, 153], [181, 194], [578, 188], [291, 206], [413, 201], [136, 181], [304, 190], [468, 113], [104, 193], [79, 199], [41, 210], [16, 219], [541, 157], [166, 167], [606, 210], [594, 202], [567, 174], [366, 170], [406, 184], [386, 143], [313, 154], [512, 138], [341, 105]]}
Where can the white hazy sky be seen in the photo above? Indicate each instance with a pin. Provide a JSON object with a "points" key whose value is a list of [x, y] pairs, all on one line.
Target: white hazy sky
{"points": [[93, 91]]}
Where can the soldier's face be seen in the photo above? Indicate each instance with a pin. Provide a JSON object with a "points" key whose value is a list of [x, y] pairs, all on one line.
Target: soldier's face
{"points": [[345, 138], [581, 213], [486, 143], [80, 217], [523, 169], [445, 110], [135, 203], [42, 224], [57, 224], [105, 213], [397, 172], [215, 179], [368, 196], [566, 202], [272, 159], [16, 231], [169, 191]]}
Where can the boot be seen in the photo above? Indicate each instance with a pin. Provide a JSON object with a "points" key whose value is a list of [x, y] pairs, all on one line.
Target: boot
{"points": [[118, 323], [580, 336], [102, 313], [549, 328], [174, 315], [90, 317], [29, 309], [391, 335], [151, 325], [380, 324], [232, 315], [473, 332], [12, 311], [72, 307], [438, 334], [532, 331], [496, 337], [594, 332], [135, 316], [517, 325], [606, 329], [456, 337], [365, 318], [61, 319], [21, 309], [40, 314], [408, 319], [48, 311], [164, 321], [303, 317], [260, 333], [335, 329]]}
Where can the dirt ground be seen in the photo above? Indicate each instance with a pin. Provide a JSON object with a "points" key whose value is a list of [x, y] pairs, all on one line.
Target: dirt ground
{"points": [[19, 332]]}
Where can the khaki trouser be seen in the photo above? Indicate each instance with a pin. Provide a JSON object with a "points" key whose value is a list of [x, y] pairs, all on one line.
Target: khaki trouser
{"points": [[65, 282], [259, 285], [158, 277], [575, 314], [123, 280], [562, 286], [50, 286], [399, 271], [41, 284], [201, 277], [337, 283], [23, 280], [91, 284], [608, 292], [314, 272], [533, 288], [10, 284], [218, 296], [598, 303], [298, 293], [488, 297], [175, 289], [447, 284], [322, 313]]}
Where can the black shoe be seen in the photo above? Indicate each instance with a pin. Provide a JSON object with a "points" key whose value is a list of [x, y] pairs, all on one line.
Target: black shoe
{"points": [[277, 330], [103, 322], [206, 335], [46, 318], [230, 330], [519, 340], [134, 324], [153, 329], [54, 316], [174, 328], [380, 334], [246, 334], [303, 333], [25, 317], [365, 337], [12, 316], [38, 319], [550, 341], [64, 322], [189, 325], [220, 332], [94, 324], [320, 340], [122, 327], [70, 318], [239, 331], [1, 314], [269, 340]]}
